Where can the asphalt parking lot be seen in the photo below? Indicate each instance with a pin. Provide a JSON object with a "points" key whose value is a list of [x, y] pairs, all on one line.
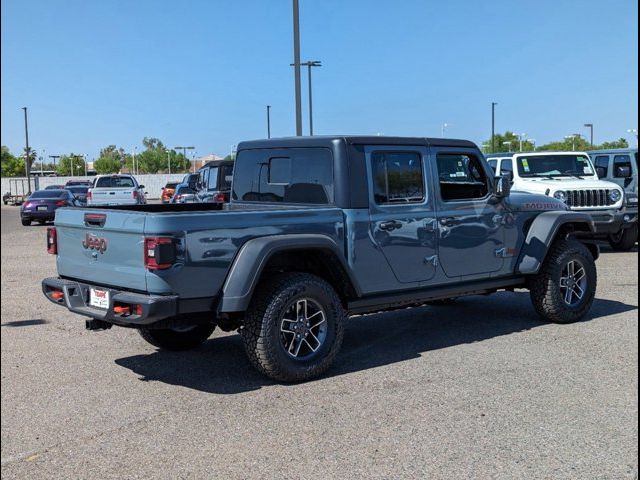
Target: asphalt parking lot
{"points": [[481, 389]]}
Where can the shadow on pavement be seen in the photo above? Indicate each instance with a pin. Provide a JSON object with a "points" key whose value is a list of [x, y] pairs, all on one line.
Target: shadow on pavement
{"points": [[220, 365], [25, 323]]}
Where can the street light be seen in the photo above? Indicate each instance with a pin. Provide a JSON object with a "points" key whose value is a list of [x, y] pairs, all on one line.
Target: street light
{"points": [[590, 127], [533, 142], [54, 160], [268, 121], [634, 131], [309, 64], [508, 144], [521, 137], [573, 139], [296, 64], [27, 167], [493, 126], [444, 128], [184, 151]]}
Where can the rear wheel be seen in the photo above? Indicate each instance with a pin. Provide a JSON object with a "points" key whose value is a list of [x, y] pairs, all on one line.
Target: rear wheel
{"points": [[26, 222], [294, 327], [624, 240], [178, 338], [564, 290]]}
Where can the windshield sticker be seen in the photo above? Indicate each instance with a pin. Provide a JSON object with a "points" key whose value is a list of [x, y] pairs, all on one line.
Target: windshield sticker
{"points": [[587, 170], [525, 164]]}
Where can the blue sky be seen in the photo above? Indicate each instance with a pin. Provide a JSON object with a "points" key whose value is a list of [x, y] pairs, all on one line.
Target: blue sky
{"points": [[104, 72]]}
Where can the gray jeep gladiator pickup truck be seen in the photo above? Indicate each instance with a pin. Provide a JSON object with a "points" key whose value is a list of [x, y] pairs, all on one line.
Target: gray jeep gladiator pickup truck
{"points": [[317, 229]]}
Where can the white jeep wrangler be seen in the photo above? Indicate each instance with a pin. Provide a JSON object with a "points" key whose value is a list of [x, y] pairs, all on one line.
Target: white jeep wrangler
{"points": [[572, 178]]}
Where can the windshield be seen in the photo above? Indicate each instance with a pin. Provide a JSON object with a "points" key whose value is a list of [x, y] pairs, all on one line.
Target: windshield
{"points": [[78, 189], [48, 194], [114, 182], [554, 165]]}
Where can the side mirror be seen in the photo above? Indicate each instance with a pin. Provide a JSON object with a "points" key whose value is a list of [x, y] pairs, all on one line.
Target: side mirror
{"points": [[623, 172], [601, 172], [503, 185], [141, 187]]}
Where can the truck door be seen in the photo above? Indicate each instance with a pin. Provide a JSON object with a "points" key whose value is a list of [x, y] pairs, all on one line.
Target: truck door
{"points": [[403, 223], [471, 231]]}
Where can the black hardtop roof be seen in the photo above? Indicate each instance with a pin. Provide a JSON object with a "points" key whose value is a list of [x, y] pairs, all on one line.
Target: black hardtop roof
{"points": [[216, 163], [330, 140]]}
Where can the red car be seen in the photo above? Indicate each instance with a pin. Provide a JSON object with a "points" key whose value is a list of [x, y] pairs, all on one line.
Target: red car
{"points": [[167, 191]]}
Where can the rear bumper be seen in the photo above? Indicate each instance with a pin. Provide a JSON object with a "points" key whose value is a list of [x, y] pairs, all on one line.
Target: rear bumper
{"points": [[76, 299], [39, 215]]}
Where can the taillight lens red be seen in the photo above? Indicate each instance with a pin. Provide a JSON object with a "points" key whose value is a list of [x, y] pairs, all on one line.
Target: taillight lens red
{"points": [[52, 240], [61, 203], [89, 196], [219, 197], [135, 194], [27, 205], [159, 253]]}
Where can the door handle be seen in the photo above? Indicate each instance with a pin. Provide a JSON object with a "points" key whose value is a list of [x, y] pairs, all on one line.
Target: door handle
{"points": [[390, 225], [431, 225], [450, 222]]}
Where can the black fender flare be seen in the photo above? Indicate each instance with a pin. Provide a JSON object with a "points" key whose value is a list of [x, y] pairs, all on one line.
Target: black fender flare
{"points": [[542, 234], [250, 261]]}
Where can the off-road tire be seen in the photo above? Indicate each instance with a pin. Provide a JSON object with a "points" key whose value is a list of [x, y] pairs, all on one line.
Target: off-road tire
{"points": [[177, 339], [626, 241], [545, 288], [261, 330], [26, 222]]}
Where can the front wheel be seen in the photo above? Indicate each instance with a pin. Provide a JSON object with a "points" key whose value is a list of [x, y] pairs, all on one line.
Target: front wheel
{"points": [[294, 327], [179, 338], [564, 289], [625, 240], [26, 222]]}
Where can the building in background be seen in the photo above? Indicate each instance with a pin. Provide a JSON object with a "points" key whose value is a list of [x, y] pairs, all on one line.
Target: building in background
{"points": [[196, 163]]}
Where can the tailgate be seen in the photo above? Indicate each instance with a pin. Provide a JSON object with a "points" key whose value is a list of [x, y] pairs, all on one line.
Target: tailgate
{"points": [[114, 196], [101, 246]]}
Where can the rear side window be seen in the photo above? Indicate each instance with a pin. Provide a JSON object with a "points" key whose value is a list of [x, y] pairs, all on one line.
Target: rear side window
{"points": [[293, 175], [506, 166], [621, 161], [602, 164], [461, 177], [397, 177], [114, 182], [493, 164]]}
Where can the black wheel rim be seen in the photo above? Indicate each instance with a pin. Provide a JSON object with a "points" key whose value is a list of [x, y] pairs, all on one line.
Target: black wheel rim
{"points": [[303, 329], [573, 283]]}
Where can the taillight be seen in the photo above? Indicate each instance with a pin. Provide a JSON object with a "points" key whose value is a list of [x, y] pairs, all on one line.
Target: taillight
{"points": [[135, 194], [52, 241], [89, 196], [159, 253], [61, 203], [218, 197], [27, 205]]}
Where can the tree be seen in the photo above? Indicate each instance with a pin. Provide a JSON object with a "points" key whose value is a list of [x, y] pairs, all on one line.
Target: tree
{"points": [[12, 166], [110, 160], [71, 165], [620, 143], [508, 142], [156, 158]]}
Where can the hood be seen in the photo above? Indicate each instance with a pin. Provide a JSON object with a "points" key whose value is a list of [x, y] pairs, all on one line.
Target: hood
{"points": [[541, 185]]}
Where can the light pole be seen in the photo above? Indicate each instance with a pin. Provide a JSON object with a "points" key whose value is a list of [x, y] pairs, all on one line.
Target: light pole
{"points": [[573, 139], [590, 127], [533, 142], [634, 131], [521, 137], [184, 152], [493, 126], [27, 167], [169, 160], [485, 146], [268, 121], [444, 128], [133, 160], [54, 160], [296, 64], [508, 144], [309, 65]]}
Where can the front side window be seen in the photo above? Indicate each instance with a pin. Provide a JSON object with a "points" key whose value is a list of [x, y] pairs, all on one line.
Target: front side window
{"points": [[602, 164], [397, 177], [554, 165], [293, 175], [461, 177], [493, 164], [506, 166], [621, 164], [212, 181]]}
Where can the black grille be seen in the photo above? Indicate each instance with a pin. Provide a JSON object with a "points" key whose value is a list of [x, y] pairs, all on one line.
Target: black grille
{"points": [[589, 198]]}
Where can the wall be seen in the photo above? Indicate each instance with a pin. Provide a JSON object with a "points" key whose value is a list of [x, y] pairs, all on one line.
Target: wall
{"points": [[152, 183]]}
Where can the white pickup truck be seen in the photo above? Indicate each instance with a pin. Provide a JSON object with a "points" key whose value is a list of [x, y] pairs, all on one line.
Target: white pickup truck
{"points": [[572, 178], [116, 190]]}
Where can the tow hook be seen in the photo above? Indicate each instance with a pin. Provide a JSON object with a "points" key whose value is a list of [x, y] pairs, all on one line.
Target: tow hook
{"points": [[95, 324]]}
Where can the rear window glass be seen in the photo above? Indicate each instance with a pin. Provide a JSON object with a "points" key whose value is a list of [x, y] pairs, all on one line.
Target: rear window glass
{"points": [[114, 182], [293, 175], [397, 177], [78, 189], [49, 194]]}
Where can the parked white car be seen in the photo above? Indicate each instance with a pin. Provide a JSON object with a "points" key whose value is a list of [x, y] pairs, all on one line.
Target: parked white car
{"points": [[572, 178], [116, 190]]}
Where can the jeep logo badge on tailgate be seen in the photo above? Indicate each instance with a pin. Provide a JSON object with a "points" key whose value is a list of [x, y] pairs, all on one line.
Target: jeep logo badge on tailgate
{"points": [[93, 242]]}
